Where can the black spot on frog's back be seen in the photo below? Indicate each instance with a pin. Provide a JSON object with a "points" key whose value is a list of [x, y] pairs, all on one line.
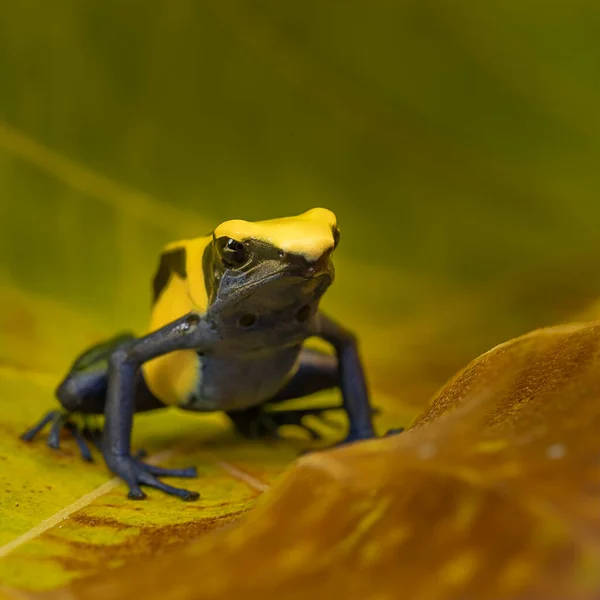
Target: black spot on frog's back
{"points": [[170, 262]]}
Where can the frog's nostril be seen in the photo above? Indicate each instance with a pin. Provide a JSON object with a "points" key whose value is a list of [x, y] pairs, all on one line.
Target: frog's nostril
{"points": [[247, 320], [319, 265]]}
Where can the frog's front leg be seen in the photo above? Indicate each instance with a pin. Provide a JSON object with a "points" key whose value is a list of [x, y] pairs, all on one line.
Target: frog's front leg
{"points": [[351, 377], [190, 331]]}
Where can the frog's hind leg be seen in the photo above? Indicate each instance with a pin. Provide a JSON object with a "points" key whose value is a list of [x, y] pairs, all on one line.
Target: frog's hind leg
{"points": [[81, 393]]}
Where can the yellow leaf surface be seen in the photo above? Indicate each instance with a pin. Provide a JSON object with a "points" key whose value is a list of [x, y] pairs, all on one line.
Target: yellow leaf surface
{"points": [[493, 493]]}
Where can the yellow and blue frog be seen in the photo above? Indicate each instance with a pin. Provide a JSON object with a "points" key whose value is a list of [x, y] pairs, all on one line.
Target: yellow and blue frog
{"points": [[230, 315]]}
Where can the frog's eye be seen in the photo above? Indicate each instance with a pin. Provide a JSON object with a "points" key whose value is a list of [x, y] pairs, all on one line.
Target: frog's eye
{"points": [[336, 236], [233, 254]]}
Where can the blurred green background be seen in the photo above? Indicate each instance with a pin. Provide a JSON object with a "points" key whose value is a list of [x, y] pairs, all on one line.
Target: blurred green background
{"points": [[458, 142]]}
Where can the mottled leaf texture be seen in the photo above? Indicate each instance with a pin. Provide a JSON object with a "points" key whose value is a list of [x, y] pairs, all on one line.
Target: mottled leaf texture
{"points": [[494, 493]]}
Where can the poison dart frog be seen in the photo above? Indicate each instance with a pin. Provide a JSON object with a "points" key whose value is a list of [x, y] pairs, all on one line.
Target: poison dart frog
{"points": [[231, 312]]}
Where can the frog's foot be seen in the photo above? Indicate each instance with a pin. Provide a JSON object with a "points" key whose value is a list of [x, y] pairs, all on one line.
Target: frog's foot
{"points": [[59, 420], [136, 473], [261, 422]]}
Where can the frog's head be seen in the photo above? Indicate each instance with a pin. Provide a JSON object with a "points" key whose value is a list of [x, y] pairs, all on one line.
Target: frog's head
{"points": [[272, 263]]}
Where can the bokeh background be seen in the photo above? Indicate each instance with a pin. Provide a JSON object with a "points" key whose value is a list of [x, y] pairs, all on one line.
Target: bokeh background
{"points": [[458, 143]]}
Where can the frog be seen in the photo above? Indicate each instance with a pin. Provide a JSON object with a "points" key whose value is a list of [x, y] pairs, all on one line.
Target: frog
{"points": [[231, 316]]}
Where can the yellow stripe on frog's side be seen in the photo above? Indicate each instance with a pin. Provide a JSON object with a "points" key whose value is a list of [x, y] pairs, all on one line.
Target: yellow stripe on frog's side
{"points": [[308, 235], [172, 377]]}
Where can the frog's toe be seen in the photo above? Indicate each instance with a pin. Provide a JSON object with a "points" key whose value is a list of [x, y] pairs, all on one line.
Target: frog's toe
{"points": [[395, 431], [58, 423], [80, 441], [146, 478], [187, 495], [189, 472], [49, 417], [137, 474], [135, 493]]}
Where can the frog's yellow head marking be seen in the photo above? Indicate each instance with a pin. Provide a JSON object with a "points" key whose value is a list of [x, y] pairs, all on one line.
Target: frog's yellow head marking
{"points": [[309, 235], [245, 254]]}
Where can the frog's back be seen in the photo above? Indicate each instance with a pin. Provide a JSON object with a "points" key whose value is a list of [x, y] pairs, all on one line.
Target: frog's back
{"points": [[178, 288]]}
